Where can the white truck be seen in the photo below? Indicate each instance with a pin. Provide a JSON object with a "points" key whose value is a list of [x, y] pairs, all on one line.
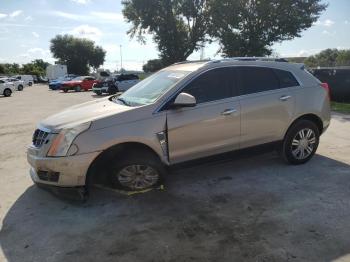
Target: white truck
{"points": [[27, 79], [55, 71]]}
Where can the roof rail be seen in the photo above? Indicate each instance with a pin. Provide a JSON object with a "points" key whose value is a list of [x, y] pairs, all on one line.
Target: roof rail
{"points": [[266, 59], [191, 61]]}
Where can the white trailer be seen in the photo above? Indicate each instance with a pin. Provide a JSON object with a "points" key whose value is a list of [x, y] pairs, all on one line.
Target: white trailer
{"points": [[56, 71]]}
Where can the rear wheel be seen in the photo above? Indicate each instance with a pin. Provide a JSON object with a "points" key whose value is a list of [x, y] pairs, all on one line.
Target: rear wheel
{"points": [[20, 88], [301, 142], [65, 90], [7, 92], [136, 172], [30, 83], [77, 88]]}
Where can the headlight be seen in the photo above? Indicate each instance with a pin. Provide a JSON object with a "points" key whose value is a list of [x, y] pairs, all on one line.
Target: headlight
{"points": [[64, 140]]}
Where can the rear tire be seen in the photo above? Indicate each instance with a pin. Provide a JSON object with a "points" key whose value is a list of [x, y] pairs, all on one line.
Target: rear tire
{"points": [[7, 92], [30, 83], [300, 142], [65, 90], [20, 88], [136, 171]]}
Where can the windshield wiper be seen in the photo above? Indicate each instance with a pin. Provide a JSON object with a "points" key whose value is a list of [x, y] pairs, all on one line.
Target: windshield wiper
{"points": [[123, 101]]}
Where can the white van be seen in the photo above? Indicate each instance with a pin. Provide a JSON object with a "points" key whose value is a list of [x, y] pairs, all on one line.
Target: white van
{"points": [[27, 79]]}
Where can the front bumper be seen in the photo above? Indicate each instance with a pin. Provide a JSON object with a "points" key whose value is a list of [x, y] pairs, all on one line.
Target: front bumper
{"points": [[67, 171]]}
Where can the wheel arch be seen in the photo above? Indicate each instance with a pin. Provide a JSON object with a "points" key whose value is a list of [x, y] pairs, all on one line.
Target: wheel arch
{"points": [[311, 117], [102, 162]]}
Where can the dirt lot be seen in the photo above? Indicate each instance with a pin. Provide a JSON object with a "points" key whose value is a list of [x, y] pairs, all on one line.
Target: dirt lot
{"points": [[242, 209]]}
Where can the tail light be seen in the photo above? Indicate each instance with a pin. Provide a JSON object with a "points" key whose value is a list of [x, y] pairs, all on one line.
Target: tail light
{"points": [[326, 87]]}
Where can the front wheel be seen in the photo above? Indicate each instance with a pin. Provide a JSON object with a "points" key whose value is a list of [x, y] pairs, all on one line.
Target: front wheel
{"points": [[30, 83], [300, 142], [65, 90], [20, 88], [77, 88], [7, 92], [136, 172]]}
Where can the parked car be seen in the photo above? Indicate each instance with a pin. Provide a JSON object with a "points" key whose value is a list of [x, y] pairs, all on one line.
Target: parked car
{"points": [[79, 83], [186, 111], [27, 79], [108, 86], [19, 84], [6, 87], [125, 81], [57, 83]]}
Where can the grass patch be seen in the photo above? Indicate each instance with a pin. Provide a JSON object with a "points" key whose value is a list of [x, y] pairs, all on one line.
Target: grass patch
{"points": [[341, 107]]}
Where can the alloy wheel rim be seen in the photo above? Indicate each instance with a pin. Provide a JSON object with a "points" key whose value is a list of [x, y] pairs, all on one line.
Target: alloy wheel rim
{"points": [[303, 143], [138, 177]]}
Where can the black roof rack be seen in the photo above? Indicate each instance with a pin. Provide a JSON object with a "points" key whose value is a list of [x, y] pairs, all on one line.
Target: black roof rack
{"points": [[265, 59]]}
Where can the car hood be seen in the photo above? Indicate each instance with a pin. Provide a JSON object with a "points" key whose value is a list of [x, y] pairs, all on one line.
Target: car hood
{"points": [[83, 113]]}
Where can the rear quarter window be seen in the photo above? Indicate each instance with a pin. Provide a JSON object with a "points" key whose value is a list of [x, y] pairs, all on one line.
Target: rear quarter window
{"points": [[286, 78]]}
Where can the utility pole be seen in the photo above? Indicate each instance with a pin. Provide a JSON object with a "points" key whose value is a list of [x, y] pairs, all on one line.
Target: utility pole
{"points": [[121, 59]]}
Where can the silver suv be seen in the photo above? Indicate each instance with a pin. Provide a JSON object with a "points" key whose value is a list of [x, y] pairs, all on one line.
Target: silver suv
{"points": [[186, 111]]}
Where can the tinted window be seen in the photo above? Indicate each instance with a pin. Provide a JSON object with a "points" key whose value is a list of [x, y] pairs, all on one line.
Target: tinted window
{"points": [[286, 78], [257, 79], [213, 85], [2, 82]]}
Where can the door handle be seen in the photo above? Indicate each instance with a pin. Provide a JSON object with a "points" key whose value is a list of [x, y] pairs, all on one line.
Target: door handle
{"points": [[228, 112], [284, 98]]}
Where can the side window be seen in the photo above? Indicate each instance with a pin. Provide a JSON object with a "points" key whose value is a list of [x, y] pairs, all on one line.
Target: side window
{"points": [[257, 79], [1, 82], [213, 85], [286, 78]]}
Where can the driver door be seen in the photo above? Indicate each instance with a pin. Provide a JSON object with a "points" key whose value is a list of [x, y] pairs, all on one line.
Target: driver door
{"points": [[213, 125]]}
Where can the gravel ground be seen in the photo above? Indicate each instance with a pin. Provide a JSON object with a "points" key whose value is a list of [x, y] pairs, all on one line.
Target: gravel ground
{"points": [[249, 207]]}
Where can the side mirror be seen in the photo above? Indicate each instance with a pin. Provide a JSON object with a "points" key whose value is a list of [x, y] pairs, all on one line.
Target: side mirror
{"points": [[184, 100]]}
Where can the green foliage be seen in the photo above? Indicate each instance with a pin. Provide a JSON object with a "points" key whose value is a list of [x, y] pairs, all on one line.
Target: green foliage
{"points": [[242, 27], [329, 58], [153, 65], [78, 54], [178, 27], [250, 28], [343, 58], [36, 67]]}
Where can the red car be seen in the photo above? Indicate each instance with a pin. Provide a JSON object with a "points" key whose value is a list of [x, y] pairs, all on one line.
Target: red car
{"points": [[79, 83]]}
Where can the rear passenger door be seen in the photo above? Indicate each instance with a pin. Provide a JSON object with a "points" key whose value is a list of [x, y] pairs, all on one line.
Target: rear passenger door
{"points": [[267, 105]]}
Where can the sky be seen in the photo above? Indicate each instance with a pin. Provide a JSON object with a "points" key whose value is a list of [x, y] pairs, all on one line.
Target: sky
{"points": [[26, 28]]}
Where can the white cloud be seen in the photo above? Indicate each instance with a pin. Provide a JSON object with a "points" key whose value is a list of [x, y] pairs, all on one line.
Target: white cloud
{"points": [[326, 23], [35, 34], [3, 15], [81, 2], [99, 17], [86, 31], [68, 15], [15, 13], [108, 16], [28, 18]]}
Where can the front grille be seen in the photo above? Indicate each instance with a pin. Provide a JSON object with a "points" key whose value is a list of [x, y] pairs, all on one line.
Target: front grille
{"points": [[39, 138]]}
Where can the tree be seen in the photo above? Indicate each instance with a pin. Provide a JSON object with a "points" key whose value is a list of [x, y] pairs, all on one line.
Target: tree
{"points": [[251, 27], [178, 27], [153, 65], [343, 58], [326, 58], [78, 54]]}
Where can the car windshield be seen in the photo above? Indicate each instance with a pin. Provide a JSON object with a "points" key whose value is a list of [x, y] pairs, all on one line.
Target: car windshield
{"points": [[150, 89]]}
